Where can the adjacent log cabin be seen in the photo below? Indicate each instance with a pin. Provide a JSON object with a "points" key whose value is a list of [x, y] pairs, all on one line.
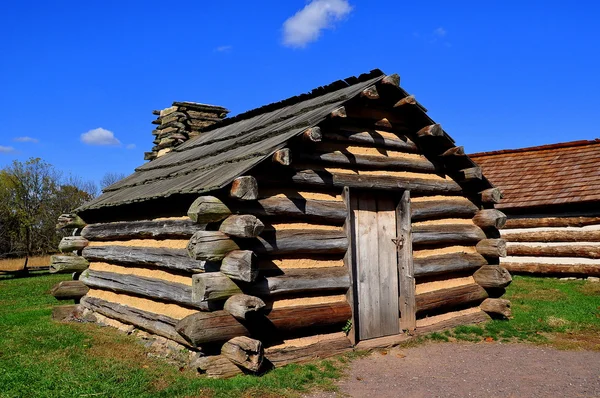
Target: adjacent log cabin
{"points": [[552, 201], [346, 206]]}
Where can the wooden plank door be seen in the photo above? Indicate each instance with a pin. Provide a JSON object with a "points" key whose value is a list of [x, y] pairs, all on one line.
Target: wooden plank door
{"points": [[376, 266]]}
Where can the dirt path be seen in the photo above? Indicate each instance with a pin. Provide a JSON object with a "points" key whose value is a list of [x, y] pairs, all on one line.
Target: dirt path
{"points": [[473, 370]]}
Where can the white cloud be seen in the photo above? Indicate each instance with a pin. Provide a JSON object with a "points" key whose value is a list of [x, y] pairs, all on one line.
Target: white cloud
{"points": [[130, 146], [439, 32], [26, 139], [223, 49], [6, 149], [100, 136], [306, 25]]}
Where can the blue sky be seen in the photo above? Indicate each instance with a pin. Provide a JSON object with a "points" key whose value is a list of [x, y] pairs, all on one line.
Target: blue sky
{"points": [[495, 74]]}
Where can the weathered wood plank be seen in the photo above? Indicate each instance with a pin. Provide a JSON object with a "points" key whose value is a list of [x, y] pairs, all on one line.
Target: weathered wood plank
{"points": [[385, 182], [388, 265], [447, 263], [210, 245], [150, 322], [126, 230], [242, 226], [67, 264], [156, 289], [67, 290], [244, 307], [551, 222], [492, 247], [492, 277], [369, 161], [245, 352], [552, 236], [173, 259], [244, 188], [437, 234], [208, 327], [322, 349], [442, 208], [406, 269], [438, 300], [566, 250], [72, 243]]}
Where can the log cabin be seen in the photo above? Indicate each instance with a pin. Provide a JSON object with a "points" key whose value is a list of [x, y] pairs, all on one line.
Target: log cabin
{"points": [[340, 218], [552, 202]]}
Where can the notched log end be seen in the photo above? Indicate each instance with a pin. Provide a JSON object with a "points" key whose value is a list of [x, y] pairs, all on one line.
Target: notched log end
{"points": [[391, 80], [433, 130]]}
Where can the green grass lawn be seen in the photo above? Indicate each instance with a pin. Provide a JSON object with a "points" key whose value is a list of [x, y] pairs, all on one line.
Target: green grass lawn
{"points": [[42, 358]]}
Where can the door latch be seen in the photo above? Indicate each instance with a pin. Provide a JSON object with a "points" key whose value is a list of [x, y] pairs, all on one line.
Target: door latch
{"points": [[399, 242]]}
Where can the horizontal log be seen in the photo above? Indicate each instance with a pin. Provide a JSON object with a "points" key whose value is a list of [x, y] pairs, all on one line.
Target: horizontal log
{"points": [[172, 259], [496, 308], [209, 327], [212, 286], [567, 250], [210, 245], [438, 300], [578, 270], [446, 263], [551, 222], [216, 367], [67, 264], [466, 319], [67, 290], [244, 352], [442, 208], [71, 220], [207, 209], [244, 307], [126, 230], [371, 137], [303, 280], [489, 218], [281, 356], [492, 247], [552, 236], [150, 322], [369, 181], [491, 195], [156, 289], [317, 210], [370, 161], [72, 243], [244, 188], [240, 265], [297, 241], [242, 226], [438, 234], [492, 277]]}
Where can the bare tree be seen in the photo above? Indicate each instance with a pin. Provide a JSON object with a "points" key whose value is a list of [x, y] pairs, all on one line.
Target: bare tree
{"points": [[110, 178]]}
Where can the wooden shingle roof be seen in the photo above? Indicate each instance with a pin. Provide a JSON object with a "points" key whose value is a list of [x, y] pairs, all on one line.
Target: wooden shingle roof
{"points": [[230, 148], [557, 174]]}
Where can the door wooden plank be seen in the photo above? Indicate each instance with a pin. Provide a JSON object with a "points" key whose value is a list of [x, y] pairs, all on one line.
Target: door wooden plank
{"points": [[388, 267], [407, 307], [368, 259], [351, 202]]}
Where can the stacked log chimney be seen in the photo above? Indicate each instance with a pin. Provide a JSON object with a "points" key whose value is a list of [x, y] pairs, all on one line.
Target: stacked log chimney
{"points": [[179, 123]]}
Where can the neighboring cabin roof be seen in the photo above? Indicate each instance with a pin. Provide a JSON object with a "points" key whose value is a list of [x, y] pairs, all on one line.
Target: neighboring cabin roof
{"points": [[556, 174], [230, 148]]}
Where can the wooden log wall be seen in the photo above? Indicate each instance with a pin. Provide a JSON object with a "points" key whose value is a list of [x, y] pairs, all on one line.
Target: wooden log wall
{"points": [[271, 246], [554, 246]]}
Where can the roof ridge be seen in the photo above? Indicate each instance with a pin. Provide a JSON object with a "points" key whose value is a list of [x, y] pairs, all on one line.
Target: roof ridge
{"points": [[317, 92], [538, 148]]}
